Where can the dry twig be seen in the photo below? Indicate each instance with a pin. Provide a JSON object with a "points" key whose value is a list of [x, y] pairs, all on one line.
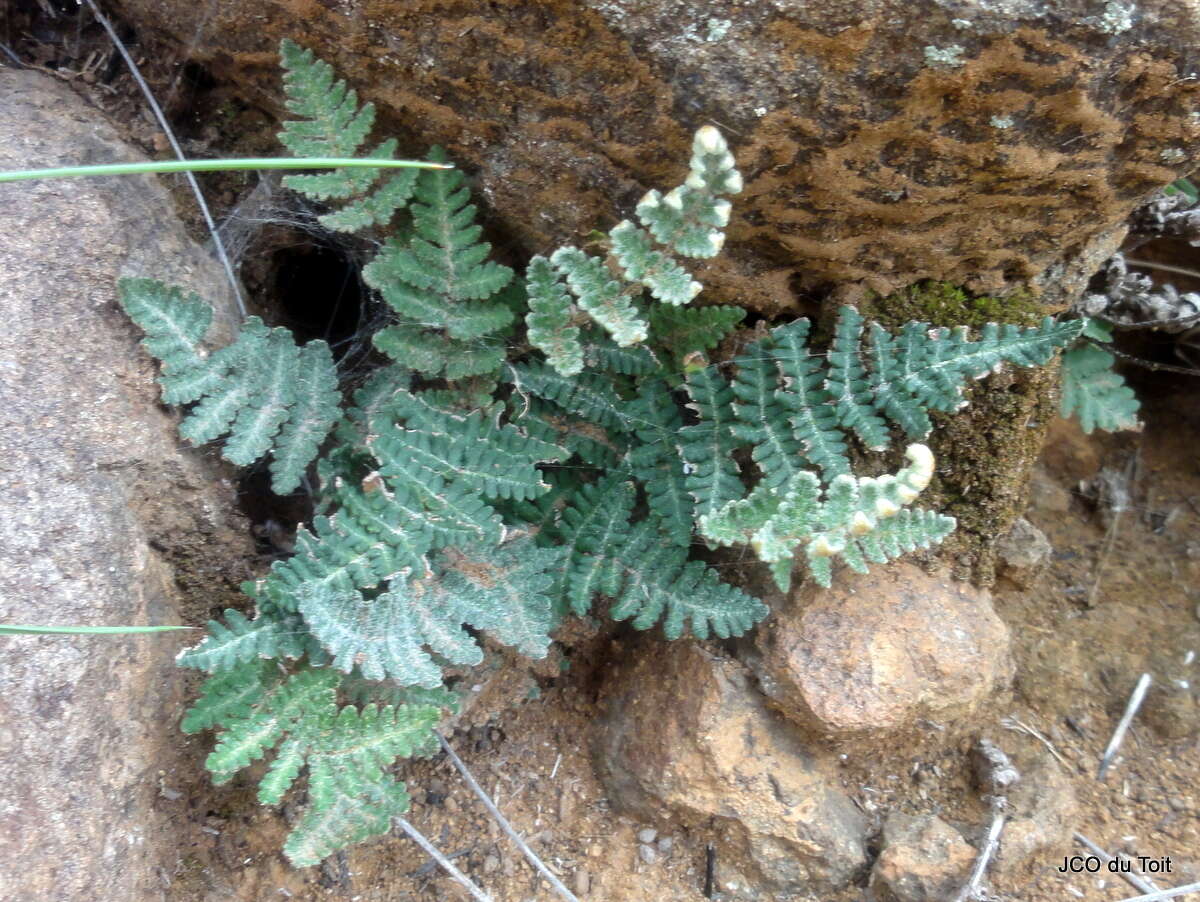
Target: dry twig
{"points": [[504, 824], [1135, 702]]}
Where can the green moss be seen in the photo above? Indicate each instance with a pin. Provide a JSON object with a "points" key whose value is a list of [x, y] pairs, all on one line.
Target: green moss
{"points": [[944, 304]]}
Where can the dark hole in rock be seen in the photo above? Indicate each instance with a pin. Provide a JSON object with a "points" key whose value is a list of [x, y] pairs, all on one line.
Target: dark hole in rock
{"points": [[319, 295]]}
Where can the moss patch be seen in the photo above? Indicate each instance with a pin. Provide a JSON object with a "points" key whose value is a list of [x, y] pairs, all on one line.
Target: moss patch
{"points": [[944, 304]]}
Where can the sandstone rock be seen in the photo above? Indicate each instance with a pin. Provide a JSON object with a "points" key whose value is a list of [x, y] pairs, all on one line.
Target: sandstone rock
{"points": [[888, 141], [1043, 814], [687, 738], [924, 859], [876, 652], [97, 499], [1024, 553]]}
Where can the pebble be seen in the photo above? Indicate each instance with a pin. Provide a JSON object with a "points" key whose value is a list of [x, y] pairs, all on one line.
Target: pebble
{"points": [[583, 882], [647, 854], [647, 834], [1177, 803], [665, 843], [491, 864]]}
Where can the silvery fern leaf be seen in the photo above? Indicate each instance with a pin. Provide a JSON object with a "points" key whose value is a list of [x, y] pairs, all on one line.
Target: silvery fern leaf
{"points": [[262, 390], [347, 751], [656, 581], [550, 320], [441, 285], [851, 519], [599, 295], [1093, 391], [242, 640], [331, 124], [690, 218], [503, 590], [707, 446]]}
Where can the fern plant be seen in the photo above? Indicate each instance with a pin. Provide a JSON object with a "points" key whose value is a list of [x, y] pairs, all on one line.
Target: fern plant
{"points": [[464, 490]]}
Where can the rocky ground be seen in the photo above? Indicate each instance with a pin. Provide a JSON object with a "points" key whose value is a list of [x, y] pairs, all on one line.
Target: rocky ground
{"points": [[898, 806]]}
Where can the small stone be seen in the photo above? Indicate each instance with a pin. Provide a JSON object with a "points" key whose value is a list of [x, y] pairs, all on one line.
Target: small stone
{"points": [[582, 883], [924, 860], [1024, 553], [1042, 817], [647, 835], [861, 658], [665, 844], [451, 804], [647, 854], [594, 851], [1177, 803], [491, 864]]}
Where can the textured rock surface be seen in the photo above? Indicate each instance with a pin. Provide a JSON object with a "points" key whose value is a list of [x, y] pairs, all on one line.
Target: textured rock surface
{"points": [[876, 652], [95, 497], [924, 859], [989, 144], [687, 737]]}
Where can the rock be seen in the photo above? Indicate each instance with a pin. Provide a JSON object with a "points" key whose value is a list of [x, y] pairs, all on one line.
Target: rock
{"points": [[924, 859], [876, 652], [1047, 498], [647, 834], [1042, 817], [648, 854], [878, 145], [105, 517], [1024, 553], [687, 739]]}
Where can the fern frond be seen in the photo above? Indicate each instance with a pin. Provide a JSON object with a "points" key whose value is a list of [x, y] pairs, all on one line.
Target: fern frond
{"points": [[657, 582], [225, 647], [600, 295], [175, 328], [587, 395], [1093, 391], [761, 417], [262, 389], [685, 330], [550, 321], [602, 353], [655, 461], [690, 218], [347, 751], [441, 285], [847, 383], [473, 451], [852, 521], [593, 528], [707, 447], [809, 406], [228, 695], [346, 818], [332, 124], [502, 590], [666, 280]]}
